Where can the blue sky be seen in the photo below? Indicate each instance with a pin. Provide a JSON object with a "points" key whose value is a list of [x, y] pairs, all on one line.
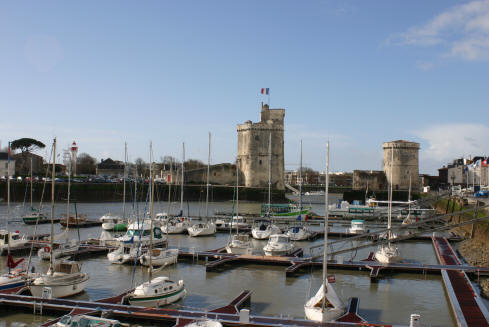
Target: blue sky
{"points": [[356, 72]]}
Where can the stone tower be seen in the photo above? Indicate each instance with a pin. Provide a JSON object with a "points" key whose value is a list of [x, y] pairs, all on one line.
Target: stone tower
{"points": [[405, 164], [253, 140]]}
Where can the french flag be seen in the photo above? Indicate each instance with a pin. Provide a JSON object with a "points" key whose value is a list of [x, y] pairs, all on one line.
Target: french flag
{"points": [[265, 91]]}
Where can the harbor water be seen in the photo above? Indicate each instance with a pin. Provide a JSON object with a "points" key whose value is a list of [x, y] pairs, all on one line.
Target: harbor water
{"points": [[391, 300]]}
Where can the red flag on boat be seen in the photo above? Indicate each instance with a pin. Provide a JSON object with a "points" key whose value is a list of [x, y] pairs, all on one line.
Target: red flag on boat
{"points": [[11, 263]]}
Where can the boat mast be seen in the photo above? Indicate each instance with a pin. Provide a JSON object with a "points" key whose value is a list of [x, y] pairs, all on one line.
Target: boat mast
{"points": [[389, 216], [300, 184], [409, 196], [169, 198], [237, 197], [269, 174], [326, 220], [8, 202], [151, 213], [124, 183], [68, 200], [181, 187], [207, 185], [51, 258], [169, 192], [31, 183]]}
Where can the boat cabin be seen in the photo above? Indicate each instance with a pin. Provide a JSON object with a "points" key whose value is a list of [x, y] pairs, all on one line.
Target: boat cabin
{"points": [[67, 267]]}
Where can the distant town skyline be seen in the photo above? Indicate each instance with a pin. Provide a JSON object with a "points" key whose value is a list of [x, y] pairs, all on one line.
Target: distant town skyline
{"points": [[356, 73]]}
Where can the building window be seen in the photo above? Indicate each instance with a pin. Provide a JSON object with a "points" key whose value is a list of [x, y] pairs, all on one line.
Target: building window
{"points": [[214, 174], [257, 138], [259, 162]]}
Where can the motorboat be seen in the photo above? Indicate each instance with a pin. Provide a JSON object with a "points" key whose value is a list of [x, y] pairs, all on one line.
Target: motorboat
{"points": [[67, 248], [125, 253], [139, 233], [283, 210], [333, 308], [87, 321], [157, 292], [357, 226], [388, 253], [278, 244], [113, 223], [63, 279], [159, 257], [35, 217], [202, 229], [239, 244], [299, 233], [263, 228], [11, 239], [175, 225]]}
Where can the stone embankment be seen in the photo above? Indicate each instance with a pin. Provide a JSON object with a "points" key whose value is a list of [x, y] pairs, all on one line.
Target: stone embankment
{"points": [[475, 248]]}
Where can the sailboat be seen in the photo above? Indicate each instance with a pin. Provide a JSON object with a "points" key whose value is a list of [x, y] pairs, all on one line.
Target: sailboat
{"points": [[64, 278], [160, 290], [300, 232], [207, 228], [263, 228], [178, 224], [34, 216], [389, 253], [69, 246], [325, 305], [13, 278], [161, 256], [112, 222], [239, 243]]}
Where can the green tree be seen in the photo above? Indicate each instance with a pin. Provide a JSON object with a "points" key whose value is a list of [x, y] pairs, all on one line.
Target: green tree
{"points": [[26, 146]]}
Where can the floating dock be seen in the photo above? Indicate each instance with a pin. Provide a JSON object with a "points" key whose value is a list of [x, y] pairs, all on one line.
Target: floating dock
{"points": [[466, 303], [228, 315]]}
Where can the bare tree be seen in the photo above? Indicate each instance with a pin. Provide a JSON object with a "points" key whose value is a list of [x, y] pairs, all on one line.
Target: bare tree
{"points": [[86, 164]]}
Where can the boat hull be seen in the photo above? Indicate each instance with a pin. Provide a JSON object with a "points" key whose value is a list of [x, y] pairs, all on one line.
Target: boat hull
{"points": [[60, 290], [316, 314], [158, 301]]}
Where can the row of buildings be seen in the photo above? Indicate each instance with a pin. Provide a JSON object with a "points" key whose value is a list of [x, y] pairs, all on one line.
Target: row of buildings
{"points": [[260, 160]]}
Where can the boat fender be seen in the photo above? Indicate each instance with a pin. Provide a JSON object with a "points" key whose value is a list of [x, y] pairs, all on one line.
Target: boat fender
{"points": [[47, 249]]}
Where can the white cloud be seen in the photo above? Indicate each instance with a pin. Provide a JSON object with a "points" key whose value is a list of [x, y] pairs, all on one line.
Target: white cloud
{"points": [[462, 31], [449, 141]]}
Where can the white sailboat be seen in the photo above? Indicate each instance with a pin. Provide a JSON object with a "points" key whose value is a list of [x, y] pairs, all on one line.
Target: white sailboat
{"points": [[160, 290], [207, 228], [178, 224], [389, 253], [301, 232], [68, 246], [239, 243], [325, 305], [262, 229], [63, 278]]}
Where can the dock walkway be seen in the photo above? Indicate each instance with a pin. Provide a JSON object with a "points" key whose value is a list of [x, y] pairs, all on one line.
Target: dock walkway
{"points": [[466, 303]]}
